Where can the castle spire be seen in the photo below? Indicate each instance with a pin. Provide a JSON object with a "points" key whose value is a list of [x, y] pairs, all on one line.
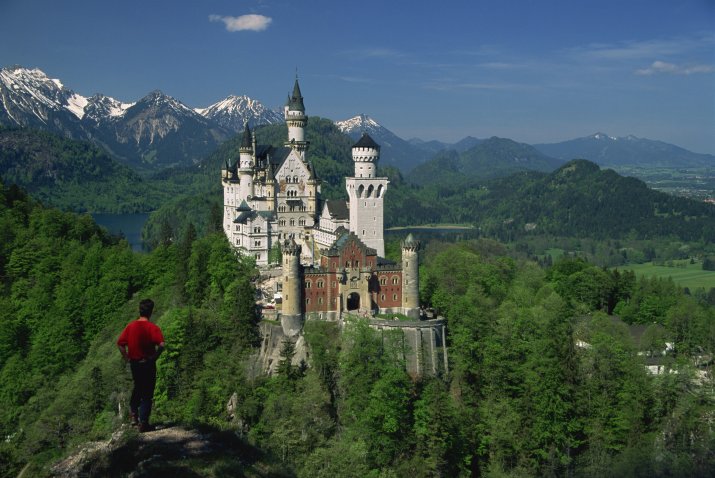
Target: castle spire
{"points": [[295, 101]]}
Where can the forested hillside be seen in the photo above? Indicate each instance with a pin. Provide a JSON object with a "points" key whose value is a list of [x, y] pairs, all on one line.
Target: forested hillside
{"points": [[491, 158], [72, 175], [542, 381], [578, 199]]}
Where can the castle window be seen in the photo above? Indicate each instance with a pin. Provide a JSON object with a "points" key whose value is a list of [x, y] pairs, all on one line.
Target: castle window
{"points": [[320, 284], [383, 281], [395, 280], [307, 301], [237, 227], [301, 222], [292, 222], [407, 281], [369, 191], [308, 284], [382, 297], [320, 300], [257, 243], [334, 284], [295, 179], [379, 192], [394, 296]]}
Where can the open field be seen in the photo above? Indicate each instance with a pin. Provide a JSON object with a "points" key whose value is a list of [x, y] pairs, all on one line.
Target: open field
{"points": [[682, 272]]}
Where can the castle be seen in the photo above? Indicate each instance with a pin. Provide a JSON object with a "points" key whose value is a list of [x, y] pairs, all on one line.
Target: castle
{"points": [[332, 251]]}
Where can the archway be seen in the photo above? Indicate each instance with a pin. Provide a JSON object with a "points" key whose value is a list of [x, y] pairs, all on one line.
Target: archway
{"points": [[353, 301]]}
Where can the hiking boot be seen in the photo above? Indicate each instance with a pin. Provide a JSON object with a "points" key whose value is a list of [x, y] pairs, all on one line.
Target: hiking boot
{"points": [[145, 427]]}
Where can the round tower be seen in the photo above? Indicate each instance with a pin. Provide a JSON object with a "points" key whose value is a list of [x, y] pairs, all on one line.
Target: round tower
{"points": [[366, 193], [410, 277], [296, 119], [292, 313], [366, 153], [245, 165]]}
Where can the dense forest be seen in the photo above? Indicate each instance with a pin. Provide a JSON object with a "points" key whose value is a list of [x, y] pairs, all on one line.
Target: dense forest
{"points": [[542, 380]]}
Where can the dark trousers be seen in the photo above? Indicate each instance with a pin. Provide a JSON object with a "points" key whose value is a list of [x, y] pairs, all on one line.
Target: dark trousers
{"points": [[144, 375]]}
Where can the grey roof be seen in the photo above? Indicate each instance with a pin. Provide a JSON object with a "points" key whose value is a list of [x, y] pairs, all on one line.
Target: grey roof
{"points": [[295, 101], [366, 141], [243, 206], [338, 208], [246, 139]]}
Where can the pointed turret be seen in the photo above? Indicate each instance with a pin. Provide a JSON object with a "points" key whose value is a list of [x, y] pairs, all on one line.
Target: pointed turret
{"points": [[296, 120], [295, 101]]}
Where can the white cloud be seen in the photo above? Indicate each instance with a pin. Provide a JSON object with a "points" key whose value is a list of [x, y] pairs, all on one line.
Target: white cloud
{"points": [[658, 67], [251, 22]]}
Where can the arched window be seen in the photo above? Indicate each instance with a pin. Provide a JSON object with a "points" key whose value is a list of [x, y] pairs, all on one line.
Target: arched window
{"points": [[394, 296], [360, 190], [379, 191], [383, 281], [295, 179], [320, 284], [382, 297], [292, 222], [308, 284], [369, 191], [395, 280]]}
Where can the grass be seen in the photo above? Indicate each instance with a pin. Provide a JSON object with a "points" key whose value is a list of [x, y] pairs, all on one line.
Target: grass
{"points": [[682, 272]]}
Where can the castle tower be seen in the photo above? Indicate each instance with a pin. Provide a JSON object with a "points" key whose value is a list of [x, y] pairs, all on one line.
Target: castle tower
{"points": [[231, 193], [366, 193], [292, 311], [410, 277], [296, 120], [245, 165]]}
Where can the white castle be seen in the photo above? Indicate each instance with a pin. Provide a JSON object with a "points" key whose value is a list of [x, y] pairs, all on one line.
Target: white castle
{"points": [[271, 194]]}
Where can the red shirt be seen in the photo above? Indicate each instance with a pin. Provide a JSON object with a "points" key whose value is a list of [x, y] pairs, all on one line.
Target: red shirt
{"points": [[141, 337]]}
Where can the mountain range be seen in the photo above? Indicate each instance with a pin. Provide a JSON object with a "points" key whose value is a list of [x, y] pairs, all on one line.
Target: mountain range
{"points": [[159, 131], [629, 150], [152, 133]]}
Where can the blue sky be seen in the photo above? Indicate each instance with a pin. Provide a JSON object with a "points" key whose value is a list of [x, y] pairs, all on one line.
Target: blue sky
{"points": [[533, 71]]}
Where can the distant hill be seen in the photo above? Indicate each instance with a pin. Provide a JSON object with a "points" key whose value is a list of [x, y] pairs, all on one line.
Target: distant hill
{"points": [[607, 150], [580, 199], [490, 158], [73, 175]]}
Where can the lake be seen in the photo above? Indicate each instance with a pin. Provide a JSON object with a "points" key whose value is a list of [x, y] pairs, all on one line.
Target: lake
{"points": [[127, 225]]}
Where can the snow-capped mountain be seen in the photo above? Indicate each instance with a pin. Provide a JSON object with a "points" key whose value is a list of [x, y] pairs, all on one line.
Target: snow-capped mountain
{"points": [[30, 98], [394, 151], [100, 108], [234, 112], [158, 131], [155, 132], [630, 150]]}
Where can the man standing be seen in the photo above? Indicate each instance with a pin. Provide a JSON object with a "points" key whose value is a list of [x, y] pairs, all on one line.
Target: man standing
{"points": [[141, 343]]}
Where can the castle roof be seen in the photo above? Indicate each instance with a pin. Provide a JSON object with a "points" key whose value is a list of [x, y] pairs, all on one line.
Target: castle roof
{"points": [[246, 139], [295, 101], [366, 141], [343, 241], [337, 209]]}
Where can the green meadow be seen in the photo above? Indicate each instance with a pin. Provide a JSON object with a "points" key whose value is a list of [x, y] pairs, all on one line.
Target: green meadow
{"points": [[682, 272]]}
